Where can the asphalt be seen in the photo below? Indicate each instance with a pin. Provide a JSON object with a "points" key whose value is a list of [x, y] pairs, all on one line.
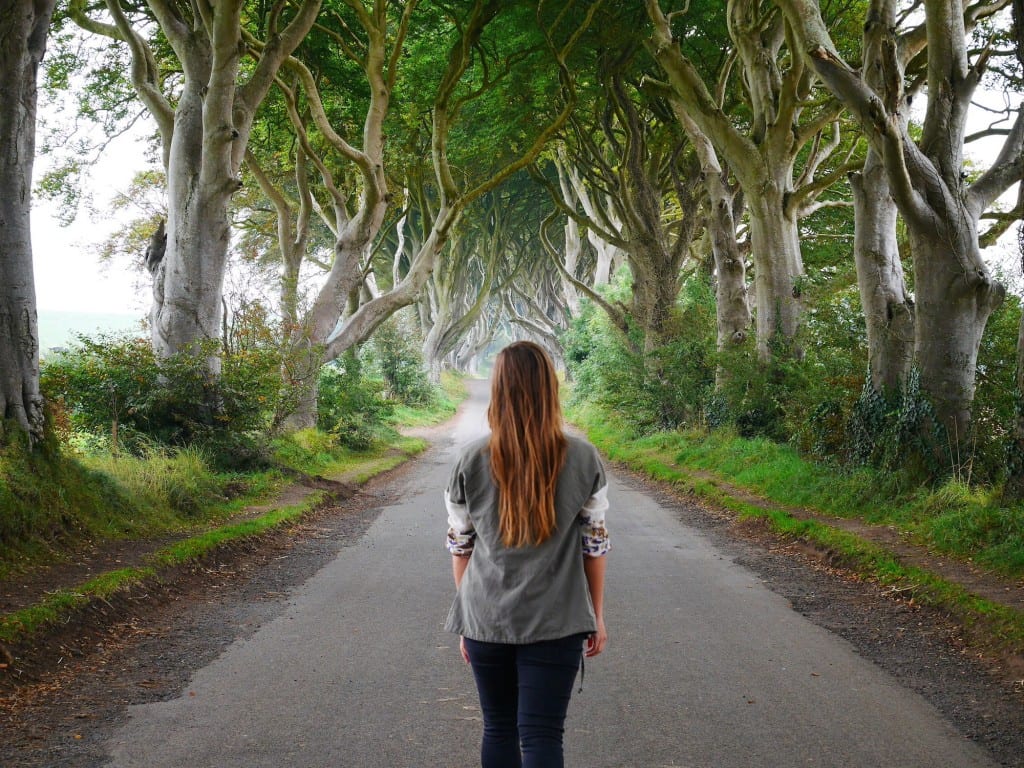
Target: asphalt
{"points": [[705, 667]]}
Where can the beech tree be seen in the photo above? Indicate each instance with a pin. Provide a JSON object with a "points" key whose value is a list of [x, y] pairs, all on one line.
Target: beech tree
{"points": [[785, 126], [461, 285], [955, 291], [1014, 488], [453, 97], [889, 51], [597, 207], [348, 179], [22, 44], [351, 178], [204, 117], [886, 301], [626, 152], [725, 204]]}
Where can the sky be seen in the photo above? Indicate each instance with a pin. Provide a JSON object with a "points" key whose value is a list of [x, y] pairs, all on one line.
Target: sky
{"points": [[68, 272]]}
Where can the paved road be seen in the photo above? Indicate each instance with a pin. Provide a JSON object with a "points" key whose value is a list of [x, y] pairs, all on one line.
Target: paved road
{"points": [[705, 667]]}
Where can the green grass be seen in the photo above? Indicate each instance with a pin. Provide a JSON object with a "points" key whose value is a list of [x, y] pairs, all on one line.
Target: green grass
{"points": [[951, 518], [311, 451], [22, 625], [179, 482], [48, 499], [451, 392]]}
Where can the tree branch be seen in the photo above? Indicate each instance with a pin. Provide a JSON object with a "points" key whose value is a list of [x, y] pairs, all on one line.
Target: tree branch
{"points": [[1007, 169]]}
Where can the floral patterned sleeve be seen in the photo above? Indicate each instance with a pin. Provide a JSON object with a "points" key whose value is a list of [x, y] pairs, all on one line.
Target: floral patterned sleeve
{"points": [[461, 534], [596, 542]]}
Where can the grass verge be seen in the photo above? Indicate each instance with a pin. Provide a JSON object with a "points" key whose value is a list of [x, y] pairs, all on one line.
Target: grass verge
{"points": [[21, 626], [451, 392], [779, 475]]}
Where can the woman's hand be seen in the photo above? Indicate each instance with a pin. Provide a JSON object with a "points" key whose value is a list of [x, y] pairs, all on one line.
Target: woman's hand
{"points": [[462, 649], [596, 642]]}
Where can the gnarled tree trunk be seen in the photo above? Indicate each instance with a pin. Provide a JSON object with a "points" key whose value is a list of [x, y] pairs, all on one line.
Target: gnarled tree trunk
{"points": [[761, 150], [188, 284], [886, 303], [732, 307], [952, 310], [22, 45], [204, 124], [778, 266]]}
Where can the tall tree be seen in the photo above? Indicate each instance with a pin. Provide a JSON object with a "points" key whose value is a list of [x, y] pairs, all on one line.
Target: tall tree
{"points": [[781, 125], [627, 149], [204, 118], [955, 291], [885, 299], [1014, 488], [352, 178], [349, 177], [460, 286], [24, 25], [560, 29], [725, 204]]}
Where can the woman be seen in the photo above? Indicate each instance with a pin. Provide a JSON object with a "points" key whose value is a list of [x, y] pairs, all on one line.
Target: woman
{"points": [[526, 532]]}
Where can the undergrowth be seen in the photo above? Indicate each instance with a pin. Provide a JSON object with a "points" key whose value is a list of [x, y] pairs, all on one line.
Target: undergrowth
{"points": [[950, 517]]}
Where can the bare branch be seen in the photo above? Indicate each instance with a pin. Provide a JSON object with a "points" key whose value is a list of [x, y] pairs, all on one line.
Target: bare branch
{"points": [[1007, 169]]}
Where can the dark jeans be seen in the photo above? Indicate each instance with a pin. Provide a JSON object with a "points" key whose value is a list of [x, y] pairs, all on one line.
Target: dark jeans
{"points": [[524, 695]]}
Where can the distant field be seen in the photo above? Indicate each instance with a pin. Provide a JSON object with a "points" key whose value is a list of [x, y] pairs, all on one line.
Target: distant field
{"points": [[59, 329]]}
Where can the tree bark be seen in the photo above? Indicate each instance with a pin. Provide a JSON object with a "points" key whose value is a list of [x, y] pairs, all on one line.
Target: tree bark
{"points": [[24, 25], [1014, 486], [609, 255], [187, 289], [732, 308], [886, 303], [951, 315], [778, 266]]}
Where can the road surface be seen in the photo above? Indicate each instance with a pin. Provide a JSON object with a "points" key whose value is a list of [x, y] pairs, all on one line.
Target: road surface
{"points": [[705, 667]]}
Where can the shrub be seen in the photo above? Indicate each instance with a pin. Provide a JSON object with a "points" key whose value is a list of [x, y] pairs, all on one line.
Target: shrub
{"points": [[116, 386], [896, 430], [395, 355], [350, 405], [996, 400], [663, 388]]}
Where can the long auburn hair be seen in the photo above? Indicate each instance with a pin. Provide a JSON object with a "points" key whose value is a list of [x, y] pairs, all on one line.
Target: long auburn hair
{"points": [[527, 444]]}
